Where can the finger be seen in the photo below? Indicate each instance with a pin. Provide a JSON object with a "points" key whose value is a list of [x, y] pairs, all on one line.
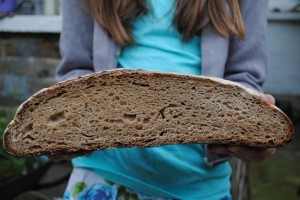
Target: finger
{"points": [[223, 150], [251, 151], [216, 148], [67, 156], [246, 154], [79, 153], [268, 98], [55, 158], [251, 154]]}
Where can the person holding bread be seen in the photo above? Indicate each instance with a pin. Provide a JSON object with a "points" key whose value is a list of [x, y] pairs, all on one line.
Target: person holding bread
{"points": [[224, 39]]}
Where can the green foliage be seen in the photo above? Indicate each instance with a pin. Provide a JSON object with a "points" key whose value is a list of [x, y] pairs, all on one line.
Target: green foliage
{"points": [[11, 166], [278, 177]]}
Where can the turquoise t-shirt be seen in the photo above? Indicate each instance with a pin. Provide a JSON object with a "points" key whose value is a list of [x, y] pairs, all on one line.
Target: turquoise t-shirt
{"points": [[171, 171], [158, 45]]}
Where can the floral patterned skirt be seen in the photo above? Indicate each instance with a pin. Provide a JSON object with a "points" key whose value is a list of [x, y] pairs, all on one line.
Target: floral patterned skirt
{"points": [[86, 185]]}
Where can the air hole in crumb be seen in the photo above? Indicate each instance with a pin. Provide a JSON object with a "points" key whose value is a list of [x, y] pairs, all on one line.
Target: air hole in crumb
{"points": [[87, 92], [141, 84], [118, 144], [105, 128], [50, 142], [116, 121], [90, 86], [150, 140], [268, 136], [29, 137], [28, 128], [61, 93], [271, 141], [123, 103], [76, 96], [162, 133], [75, 124], [35, 147], [129, 117], [56, 118], [146, 121]]}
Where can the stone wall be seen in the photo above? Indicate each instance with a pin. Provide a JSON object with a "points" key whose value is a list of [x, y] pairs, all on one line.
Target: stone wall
{"points": [[27, 64]]}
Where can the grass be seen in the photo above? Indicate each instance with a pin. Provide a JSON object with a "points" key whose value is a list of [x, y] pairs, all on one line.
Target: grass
{"points": [[278, 178]]}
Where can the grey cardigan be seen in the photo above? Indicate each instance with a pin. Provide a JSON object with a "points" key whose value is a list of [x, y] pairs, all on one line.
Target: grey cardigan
{"points": [[86, 48]]}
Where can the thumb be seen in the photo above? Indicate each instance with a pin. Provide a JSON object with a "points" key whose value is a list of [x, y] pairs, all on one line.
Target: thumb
{"points": [[268, 98]]}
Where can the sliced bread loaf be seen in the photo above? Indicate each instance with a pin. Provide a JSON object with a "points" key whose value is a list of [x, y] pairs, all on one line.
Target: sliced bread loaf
{"points": [[136, 108]]}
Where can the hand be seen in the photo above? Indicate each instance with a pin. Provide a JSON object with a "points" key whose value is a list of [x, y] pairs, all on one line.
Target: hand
{"points": [[67, 156], [268, 98], [247, 154]]}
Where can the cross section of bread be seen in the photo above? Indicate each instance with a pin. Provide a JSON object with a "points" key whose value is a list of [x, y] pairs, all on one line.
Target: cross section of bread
{"points": [[137, 108]]}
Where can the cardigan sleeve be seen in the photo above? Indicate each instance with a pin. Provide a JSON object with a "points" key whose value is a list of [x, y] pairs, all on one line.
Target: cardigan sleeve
{"points": [[247, 59], [76, 41]]}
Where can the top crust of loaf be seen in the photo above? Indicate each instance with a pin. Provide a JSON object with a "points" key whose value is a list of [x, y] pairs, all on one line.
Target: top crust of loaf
{"points": [[121, 72], [23, 108]]}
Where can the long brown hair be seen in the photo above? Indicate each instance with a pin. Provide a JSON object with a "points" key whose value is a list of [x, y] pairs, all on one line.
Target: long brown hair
{"points": [[191, 17]]}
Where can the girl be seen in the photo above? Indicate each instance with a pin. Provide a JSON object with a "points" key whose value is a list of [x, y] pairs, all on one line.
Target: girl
{"points": [[224, 39]]}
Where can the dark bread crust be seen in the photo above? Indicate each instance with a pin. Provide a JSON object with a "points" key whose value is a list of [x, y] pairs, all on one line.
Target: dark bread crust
{"points": [[59, 89]]}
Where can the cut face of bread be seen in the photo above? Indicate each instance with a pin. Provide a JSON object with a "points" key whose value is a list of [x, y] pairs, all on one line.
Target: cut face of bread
{"points": [[136, 108]]}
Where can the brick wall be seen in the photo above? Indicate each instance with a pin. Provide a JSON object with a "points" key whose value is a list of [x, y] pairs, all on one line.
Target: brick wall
{"points": [[27, 64]]}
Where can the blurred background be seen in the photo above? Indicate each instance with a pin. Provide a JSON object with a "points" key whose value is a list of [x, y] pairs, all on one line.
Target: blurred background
{"points": [[29, 54]]}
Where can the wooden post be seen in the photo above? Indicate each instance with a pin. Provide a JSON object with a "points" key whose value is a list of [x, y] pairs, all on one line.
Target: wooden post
{"points": [[240, 181]]}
